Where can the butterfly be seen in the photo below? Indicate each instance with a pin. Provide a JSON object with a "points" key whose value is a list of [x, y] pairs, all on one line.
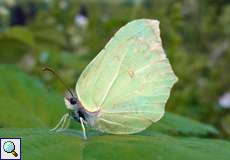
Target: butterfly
{"points": [[124, 89]]}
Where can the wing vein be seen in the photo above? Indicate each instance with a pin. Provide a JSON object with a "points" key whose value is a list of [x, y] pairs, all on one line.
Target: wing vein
{"points": [[149, 65], [113, 80], [116, 123], [132, 112], [111, 122]]}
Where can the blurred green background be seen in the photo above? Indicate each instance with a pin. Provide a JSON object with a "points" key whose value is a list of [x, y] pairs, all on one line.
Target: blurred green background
{"points": [[67, 34]]}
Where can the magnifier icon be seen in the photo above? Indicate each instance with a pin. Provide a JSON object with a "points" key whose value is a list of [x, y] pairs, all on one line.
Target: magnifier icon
{"points": [[9, 147]]}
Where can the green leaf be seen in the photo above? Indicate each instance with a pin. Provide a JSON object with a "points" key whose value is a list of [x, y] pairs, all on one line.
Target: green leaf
{"points": [[14, 114], [15, 42], [178, 124], [21, 34], [48, 36], [41, 144], [25, 98], [11, 50]]}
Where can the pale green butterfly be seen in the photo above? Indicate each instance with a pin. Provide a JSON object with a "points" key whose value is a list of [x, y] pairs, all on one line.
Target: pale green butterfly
{"points": [[125, 88]]}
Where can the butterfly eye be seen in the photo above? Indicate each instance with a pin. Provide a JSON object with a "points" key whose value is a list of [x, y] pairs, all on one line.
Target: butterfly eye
{"points": [[73, 101]]}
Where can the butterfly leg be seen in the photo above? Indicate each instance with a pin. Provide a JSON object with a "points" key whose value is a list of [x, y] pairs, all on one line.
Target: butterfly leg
{"points": [[60, 123], [68, 122], [65, 123], [83, 128]]}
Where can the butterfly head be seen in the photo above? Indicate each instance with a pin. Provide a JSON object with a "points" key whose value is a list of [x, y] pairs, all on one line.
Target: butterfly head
{"points": [[71, 102]]}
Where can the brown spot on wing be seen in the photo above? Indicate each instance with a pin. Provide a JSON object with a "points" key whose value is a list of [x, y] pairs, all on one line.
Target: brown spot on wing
{"points": [[131, 73]]}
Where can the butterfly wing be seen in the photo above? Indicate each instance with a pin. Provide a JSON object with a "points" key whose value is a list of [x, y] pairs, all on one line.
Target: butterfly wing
{"points": [[129, 80]]}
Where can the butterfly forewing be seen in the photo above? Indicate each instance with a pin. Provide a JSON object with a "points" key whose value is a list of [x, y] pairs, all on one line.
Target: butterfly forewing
{"points": [[129, 80]]}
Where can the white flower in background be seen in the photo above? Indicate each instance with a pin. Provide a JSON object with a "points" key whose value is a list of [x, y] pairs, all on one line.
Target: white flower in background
{"points": [[27, 62], [44, 56], [3, 11], [47, 1], [64, 4], [10, 3], [81, 20], [224, 100]]}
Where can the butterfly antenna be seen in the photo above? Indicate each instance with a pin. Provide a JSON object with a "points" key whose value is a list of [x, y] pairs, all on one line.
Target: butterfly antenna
{"points": [[59, 78]]}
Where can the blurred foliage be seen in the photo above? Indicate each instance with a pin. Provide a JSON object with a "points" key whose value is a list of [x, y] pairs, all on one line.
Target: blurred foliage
{"points": [[196, 39]]}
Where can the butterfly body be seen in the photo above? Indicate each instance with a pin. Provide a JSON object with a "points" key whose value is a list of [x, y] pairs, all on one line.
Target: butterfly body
{"points": [[77, 111]]}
